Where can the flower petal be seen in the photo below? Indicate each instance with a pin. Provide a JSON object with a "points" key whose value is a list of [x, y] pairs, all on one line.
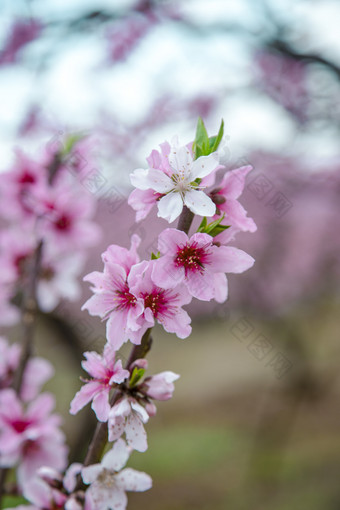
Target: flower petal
{"points": [[170, 206], [135, 433], [204, 166], [152, 179], [199, 203], [117, 457], [89, 473], [132, 480]]}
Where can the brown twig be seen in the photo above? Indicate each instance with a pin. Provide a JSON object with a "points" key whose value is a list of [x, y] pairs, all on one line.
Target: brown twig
{"points": [[185, 220]]}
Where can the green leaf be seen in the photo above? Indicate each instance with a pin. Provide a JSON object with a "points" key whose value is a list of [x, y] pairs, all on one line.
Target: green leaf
{"points": [[214, 228], [136, 376], [201, 142], [214, 141], [203, 224], [217, 230], [155, 256], [70, 142]]}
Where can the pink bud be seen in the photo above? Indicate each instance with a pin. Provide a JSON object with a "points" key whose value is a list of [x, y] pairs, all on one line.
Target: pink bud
{"points": [[151, 409], [160, 386]]}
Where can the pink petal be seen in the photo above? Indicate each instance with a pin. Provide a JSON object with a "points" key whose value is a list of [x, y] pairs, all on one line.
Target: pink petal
{"points": [[165, 274], [233, 182], [228, 259], [236, 215], [178, 323], [170, 239], [84, 396], [200, 286], [220, 287], [101, 405], [94, 365], [41, 407]]}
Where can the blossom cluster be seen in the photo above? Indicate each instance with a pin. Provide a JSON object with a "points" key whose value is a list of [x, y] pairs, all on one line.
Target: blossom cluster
{"points": [[30, 436], [131, 295], [42, 201]]}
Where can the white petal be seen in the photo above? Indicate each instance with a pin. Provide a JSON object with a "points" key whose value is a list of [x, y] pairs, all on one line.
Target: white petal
{"points": [[139, 178], [152, 179], [143, 415], [117, 457], [70, 478], [90, 473], [180, 160], [170, 206], [132, 480], [204, 166], [199, 203], [135, 433], [106, 498]]}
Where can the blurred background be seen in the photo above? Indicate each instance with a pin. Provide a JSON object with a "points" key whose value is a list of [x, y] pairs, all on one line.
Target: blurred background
{"points": [[254, 422]]}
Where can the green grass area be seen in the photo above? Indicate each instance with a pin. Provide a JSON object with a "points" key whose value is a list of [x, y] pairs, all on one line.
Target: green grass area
{"points": [[179, 450]]}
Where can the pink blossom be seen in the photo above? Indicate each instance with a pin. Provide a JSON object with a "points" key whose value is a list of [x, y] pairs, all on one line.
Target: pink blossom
{"points": [[160, 386], [180, 187], [48, 490], [65, 216], [32, 437], [128, 416], [17, 185], [162, 305], [197, 263], [16, 246], [58, 277], [113, 299], [9, 314], [225, 197], [105, 373], [108, 482], [43, 495], [142, 201], [37, 370]]}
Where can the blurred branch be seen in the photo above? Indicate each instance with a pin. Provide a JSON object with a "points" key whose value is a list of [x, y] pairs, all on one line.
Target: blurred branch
{"points": [[285, 49]]}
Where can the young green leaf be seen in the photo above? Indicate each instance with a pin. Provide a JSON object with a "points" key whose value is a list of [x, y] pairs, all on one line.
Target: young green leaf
{"points": [[201, 142], [70, 142], [136, 376], [214, 141]]}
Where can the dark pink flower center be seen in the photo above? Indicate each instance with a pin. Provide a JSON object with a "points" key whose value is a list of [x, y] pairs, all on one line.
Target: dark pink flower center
{"points": [[20, 425], [20, 262], [156, 301], [125, 299], [63, 222], [192, 257], [27, 178]]}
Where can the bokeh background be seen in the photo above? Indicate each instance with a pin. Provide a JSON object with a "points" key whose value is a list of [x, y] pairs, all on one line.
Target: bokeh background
{"points": [[254, 422]]}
